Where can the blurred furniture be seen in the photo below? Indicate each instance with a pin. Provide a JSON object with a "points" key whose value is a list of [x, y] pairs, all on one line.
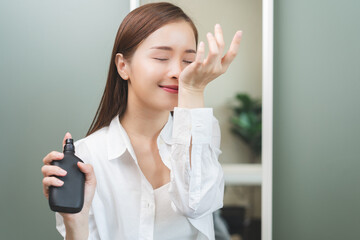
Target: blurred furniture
{"points": [[242, 174]]}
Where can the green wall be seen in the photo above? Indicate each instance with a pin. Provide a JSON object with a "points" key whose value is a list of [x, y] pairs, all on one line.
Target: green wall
{"points": [[54, 57], [316, 120]]}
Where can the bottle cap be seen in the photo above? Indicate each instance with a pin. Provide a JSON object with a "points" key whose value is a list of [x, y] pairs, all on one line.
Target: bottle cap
{"points": [[69, 145]]}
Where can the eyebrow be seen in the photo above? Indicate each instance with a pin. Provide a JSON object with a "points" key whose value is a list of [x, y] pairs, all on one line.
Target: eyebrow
{"points": [[170, 49]]}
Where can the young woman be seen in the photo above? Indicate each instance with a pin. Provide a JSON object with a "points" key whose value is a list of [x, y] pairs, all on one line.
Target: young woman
{"points": [[151, 153]]}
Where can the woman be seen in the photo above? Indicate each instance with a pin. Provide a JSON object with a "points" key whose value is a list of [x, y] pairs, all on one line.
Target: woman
{"points": [[151, 153]]}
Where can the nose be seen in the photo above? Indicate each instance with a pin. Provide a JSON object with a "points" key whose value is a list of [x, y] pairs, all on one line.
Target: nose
{"points": [[175, 69]]}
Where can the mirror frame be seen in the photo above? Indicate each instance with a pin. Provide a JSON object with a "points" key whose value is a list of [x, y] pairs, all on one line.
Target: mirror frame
{"points": [[267, 115], [267, 118]]}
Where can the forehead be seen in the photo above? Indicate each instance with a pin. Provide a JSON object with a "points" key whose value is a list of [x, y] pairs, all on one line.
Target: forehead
{"points": [[178, 35]]}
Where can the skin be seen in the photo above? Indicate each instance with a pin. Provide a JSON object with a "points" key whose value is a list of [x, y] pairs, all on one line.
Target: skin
{"points": [[166, 57]]}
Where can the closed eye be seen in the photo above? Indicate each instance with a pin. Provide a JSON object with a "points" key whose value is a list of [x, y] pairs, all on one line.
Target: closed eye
{"points": [[161, 59], [164, 59]]}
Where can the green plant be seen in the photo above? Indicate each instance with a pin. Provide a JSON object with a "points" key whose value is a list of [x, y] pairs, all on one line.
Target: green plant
{"points": [[246, 121]]}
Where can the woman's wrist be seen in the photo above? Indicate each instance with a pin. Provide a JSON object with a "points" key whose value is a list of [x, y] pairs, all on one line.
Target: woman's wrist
{"points": [[190, 98], [77, 230], [77, 226]]}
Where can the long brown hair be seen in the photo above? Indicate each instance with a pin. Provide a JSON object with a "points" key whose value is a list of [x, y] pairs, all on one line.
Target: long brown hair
{"points": [[135, 27]]}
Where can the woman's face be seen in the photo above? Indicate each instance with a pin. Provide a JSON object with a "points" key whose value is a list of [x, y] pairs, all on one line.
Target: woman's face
{"points": [[157, 63]]}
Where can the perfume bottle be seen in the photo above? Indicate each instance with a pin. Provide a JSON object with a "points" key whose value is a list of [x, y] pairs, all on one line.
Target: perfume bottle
{"points": [[69, 198]]}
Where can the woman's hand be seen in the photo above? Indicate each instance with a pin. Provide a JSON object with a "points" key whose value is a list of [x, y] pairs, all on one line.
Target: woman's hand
{"points": [[50, 171], [198, 74]]}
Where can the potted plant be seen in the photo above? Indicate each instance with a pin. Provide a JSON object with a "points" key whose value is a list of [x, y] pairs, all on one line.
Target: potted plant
{"points": [[246, 121]]}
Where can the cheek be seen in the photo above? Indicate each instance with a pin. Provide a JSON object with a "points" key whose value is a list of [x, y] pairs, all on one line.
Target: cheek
{"points": [[148, 70]]}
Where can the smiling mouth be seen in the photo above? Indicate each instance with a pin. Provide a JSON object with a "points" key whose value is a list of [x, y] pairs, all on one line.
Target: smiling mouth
{"points": [[174, 87], [170, 88]]}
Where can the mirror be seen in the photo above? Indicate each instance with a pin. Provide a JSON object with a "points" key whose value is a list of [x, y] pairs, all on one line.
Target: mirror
{"points": [[248, 177]]}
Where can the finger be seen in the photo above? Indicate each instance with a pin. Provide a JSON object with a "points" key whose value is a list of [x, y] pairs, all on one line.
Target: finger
{"points": [[213, 50], [50, 181], [200, 54], [219, 38], [231, 54], [49, 170], [67, 135], [54, 155], [46, 191], [88, 170]]}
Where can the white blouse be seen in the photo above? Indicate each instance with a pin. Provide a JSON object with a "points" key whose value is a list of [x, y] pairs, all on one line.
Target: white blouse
{"points": [[124, 202], [170, 224]]}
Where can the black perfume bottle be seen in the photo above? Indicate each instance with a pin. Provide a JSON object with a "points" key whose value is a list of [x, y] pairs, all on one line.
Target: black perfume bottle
{"points": [[69, 198]]}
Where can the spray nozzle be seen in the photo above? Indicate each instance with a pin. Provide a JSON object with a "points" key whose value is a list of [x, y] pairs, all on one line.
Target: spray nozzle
{"points": [[69, 145]]}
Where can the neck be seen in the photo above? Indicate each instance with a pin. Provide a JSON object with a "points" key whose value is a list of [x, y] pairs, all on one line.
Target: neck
{"points": [[143, 123]]}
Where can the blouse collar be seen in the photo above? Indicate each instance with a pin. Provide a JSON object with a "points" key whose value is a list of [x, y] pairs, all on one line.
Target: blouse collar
{"points": [[119, 141]]}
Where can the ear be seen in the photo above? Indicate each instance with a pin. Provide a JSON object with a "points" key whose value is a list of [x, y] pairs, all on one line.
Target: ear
{"points": [[121, 66]]}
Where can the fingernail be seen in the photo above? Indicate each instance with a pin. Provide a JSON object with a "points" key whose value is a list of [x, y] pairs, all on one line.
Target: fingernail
{"points": [[60, 154], [62, 171], [60, 182], [239, 33], [217, 25]]}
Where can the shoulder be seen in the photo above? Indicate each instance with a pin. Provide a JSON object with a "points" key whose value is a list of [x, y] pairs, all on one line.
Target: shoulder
{"points": [[93, 145]]}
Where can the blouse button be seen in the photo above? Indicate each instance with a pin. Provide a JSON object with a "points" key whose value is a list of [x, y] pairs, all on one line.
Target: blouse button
{"points": [[150, 206]]}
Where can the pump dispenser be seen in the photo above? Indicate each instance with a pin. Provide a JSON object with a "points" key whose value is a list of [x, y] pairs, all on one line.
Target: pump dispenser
{"points": [[69, 198]]}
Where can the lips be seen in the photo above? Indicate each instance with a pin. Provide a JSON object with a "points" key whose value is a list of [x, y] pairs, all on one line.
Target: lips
{"points": [[174, 87], [170, 88]]}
